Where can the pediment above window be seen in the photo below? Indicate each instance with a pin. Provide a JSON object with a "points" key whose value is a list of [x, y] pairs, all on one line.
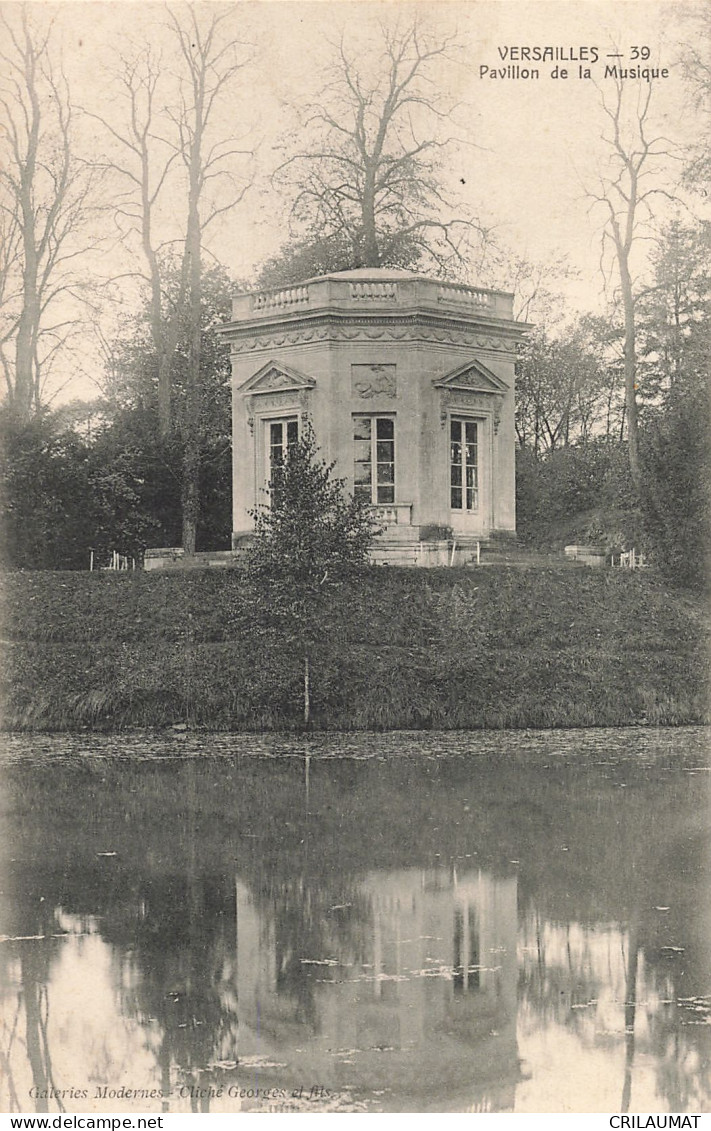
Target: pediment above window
{"points": [[277, 377], [474, 377]]}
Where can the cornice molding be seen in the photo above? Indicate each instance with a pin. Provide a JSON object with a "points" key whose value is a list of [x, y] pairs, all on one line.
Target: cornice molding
{"points": [[501, 339]]}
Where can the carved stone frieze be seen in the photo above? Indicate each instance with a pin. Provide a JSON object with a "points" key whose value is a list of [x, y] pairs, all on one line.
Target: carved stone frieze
{"points": [[365, 333]]}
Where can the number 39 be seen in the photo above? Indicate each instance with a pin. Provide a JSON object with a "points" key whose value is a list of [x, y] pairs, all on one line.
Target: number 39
{"points": [[640, 52]]}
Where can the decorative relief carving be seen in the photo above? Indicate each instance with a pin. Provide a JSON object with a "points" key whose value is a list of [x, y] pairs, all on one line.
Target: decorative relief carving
{"points": [[249, 409], [275, 379], [274, 376], [465, 398], [470, 379], [376, 380], [473, 375], [297, 398], [278, 400], [459, 400], [375, 333]]}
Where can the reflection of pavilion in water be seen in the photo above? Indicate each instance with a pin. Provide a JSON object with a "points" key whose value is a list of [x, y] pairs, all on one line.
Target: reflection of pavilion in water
{"points": [[414, 992]]}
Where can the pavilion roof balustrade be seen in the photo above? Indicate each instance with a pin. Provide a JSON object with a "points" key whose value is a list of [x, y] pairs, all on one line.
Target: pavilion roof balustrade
{"points": [[358, 292]]}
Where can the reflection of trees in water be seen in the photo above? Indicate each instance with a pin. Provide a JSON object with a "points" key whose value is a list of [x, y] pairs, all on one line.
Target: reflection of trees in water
{"points": [[173, 940], [313, 916], [590, 853], [612, 979], [177, 944], [32, 923], [171, 926], [636, 881], [176, 948]]}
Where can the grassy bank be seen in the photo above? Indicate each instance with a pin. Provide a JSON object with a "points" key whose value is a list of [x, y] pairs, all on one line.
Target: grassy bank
{"points": [[489, 647]]}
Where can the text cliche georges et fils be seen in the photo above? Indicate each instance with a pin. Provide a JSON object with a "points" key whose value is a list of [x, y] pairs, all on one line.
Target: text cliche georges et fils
{"points": [[572, 62]]}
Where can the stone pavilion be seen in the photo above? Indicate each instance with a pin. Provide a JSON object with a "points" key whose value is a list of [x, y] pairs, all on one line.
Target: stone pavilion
{"points": [[408, 383]]}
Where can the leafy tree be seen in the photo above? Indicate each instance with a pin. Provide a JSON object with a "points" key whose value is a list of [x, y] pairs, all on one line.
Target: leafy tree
{"points": [[674, 367], [578, 493], [48, 508], [308, 538], [101, 476], [132, 429], [677, 499], [135, 477], [676, 452], [675, 311], [131, 378], [306, 257], [561, 389]]}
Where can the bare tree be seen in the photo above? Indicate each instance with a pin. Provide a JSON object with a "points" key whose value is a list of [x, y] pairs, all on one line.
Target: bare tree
{"points": [[210, 65], [143, 166], [172, 145], [45, 211], [625, 191], [696, 68], [535, 284], [371, 171]]}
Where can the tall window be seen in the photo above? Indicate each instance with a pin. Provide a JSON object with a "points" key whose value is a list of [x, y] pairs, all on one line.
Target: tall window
{"points": [[374, 458], [463, 466], [282, 435]]}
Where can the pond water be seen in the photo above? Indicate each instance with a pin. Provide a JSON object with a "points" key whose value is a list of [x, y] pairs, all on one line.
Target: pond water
{"points": [[414, 922]]}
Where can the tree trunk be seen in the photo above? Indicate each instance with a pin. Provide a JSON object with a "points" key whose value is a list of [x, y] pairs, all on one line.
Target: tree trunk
{"points": [[165, 330], [192, 424], [192, 446], [190, 493], [630, 373], [26, 341], [25, 347], [370, 253]]}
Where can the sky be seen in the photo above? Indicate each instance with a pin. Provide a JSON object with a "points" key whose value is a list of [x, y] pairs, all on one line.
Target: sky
{"points": [[526, 147]]}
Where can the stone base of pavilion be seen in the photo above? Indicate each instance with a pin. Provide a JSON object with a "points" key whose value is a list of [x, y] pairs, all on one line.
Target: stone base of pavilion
{"points": [[500, 549], [386, 551]]}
